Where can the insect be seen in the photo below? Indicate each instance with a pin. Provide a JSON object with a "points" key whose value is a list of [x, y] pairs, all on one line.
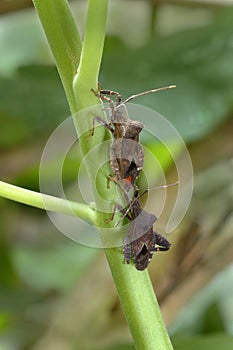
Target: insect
{"points": [[126, 153], [126, 161], [141, 241]]}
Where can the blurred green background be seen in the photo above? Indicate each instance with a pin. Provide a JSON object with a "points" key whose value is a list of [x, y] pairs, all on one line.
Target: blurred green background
{"points": [[57, 294]]}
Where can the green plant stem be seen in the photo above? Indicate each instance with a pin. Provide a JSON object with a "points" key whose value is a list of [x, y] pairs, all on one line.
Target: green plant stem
{"points": [[139, 304], [85, 80], [88, 70], [134, 288], [64, 40], [47, 202]]}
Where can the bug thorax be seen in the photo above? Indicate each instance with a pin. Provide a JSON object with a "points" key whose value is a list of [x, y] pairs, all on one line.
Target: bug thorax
{"points": [[119, 114], [133, 129], [124, 126]]}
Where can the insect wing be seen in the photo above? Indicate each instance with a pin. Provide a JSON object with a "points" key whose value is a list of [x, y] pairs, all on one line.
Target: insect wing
{"points": [[143, 249]]}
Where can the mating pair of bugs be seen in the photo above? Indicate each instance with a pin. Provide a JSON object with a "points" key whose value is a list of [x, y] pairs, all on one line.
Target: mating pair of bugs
{"points": [[126, 161]]}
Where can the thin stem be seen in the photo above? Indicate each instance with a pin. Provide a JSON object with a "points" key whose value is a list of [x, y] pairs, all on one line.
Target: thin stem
{"points": [[47, 202], [88, 70]]}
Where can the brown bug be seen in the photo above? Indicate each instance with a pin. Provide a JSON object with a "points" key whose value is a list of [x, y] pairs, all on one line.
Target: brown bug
{"points": [[126, 153], [141, 241], [126, 160]]}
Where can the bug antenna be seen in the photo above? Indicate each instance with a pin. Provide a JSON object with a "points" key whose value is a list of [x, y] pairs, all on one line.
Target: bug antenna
{"points": [[164, 186], [149, 92], [158, 188], [141, 195]]}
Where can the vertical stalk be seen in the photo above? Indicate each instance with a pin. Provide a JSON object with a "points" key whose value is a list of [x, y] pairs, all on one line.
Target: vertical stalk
{"points": [[64, 41], [134, 288]]}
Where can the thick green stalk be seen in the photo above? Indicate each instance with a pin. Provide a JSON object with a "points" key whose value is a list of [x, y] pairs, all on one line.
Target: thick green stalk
{"points": [[64, 41], [139, 304], [135, 290], [86, 79]]}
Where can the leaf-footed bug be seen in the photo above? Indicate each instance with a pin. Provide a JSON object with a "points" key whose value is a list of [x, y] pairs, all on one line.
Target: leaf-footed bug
{"points": [[126, 160], [126, 153], [141, 241]]}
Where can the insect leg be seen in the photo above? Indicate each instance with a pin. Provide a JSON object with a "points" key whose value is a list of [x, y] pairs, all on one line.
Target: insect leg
{"points": [[119, 208], [111, 93], [111, 179], [113, 214], [102, 122], [102, 97], [107, 92]]}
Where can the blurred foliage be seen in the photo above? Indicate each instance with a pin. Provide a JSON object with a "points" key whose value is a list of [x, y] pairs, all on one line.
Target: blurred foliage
{"points": [[52, 289], [197, 61], [217, 341], [44, 104]]}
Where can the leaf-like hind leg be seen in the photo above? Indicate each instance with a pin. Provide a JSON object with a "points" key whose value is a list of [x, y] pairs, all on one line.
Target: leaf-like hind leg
{"points": [[161, 243]]}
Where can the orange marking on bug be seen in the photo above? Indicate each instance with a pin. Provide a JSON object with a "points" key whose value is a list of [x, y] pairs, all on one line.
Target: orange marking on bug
{"points": [[129, 179]]}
